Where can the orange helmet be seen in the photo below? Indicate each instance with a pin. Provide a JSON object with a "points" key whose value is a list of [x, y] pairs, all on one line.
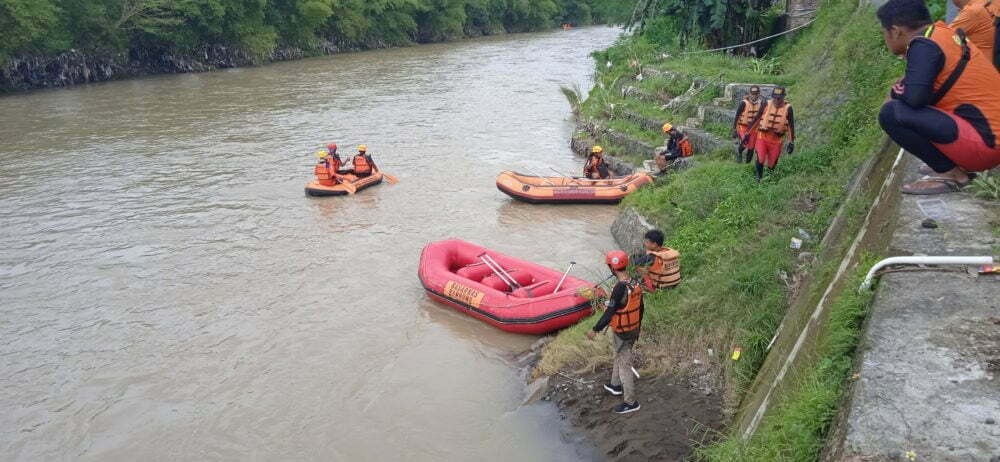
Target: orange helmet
{"points": [[617, 260]]}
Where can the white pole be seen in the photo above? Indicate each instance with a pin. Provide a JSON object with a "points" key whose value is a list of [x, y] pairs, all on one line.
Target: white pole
{"points": [[961, 261], [571, 264]]}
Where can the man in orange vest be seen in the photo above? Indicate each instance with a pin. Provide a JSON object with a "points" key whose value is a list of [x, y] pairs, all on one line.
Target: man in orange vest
{"points": [[363, 165], [662, 264], [946, 109], [596, 168], [624, 315], [749, 108], [772, 124], [678, 145], [980, 20], [328, 167]]}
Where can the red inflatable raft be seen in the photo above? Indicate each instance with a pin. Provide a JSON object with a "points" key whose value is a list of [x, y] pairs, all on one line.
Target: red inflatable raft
{"points": [[454, 272]]}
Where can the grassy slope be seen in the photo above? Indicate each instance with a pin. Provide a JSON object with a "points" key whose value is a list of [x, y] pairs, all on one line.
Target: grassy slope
{"points": [[734, 233]]}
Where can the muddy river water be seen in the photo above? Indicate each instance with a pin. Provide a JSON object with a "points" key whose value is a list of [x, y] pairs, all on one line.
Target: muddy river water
{"points": [[167, 291]]}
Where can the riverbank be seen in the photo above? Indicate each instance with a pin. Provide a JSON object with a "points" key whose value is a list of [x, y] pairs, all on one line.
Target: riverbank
{"points": [[764, 264], [75, 67]]}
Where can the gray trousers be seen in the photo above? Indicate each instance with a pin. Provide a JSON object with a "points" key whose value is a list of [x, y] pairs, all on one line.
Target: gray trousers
{"points": [[621, 369]]}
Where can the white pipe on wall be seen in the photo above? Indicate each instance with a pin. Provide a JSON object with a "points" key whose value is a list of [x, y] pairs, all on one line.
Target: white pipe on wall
{"points": [[962, 261]]}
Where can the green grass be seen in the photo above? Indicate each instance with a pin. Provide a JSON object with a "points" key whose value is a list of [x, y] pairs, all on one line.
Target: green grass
{"points": [[734, 233], [796, 429], [986, 186]]}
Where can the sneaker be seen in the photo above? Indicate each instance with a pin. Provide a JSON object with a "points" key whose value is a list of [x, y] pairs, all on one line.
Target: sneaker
{"points": [[614, 389], [625, 408]]}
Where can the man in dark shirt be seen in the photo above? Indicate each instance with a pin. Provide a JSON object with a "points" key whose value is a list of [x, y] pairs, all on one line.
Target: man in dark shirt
{"points": [[946, 110], [624, 315]]}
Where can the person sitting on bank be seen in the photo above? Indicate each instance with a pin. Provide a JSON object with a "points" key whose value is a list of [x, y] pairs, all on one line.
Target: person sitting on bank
{"points": [[363, 165], [660, 266], [596, 168], [946, 109], [678, 145], [980, 19], [624, 315], [772, 124], [749, 108]]}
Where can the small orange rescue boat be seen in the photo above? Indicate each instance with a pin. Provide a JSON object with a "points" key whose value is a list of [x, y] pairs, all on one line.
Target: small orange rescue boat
{"points": [[325, 185], [565, 190]]}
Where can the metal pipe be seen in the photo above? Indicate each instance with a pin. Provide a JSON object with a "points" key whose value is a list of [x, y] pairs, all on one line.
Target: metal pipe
{"points": [[494, 269], [500, 271], [558, 286], [960, 261]]}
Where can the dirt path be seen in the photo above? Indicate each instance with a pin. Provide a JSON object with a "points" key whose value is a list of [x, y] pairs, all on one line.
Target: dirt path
{"points": [[676, 415]]}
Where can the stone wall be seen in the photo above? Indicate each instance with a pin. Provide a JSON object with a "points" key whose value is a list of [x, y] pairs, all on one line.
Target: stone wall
{"points": [[628, 230]]}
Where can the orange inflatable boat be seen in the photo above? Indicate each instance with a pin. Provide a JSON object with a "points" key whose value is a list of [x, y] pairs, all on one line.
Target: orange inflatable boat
{"points": [[326, 186], [564, 190]]}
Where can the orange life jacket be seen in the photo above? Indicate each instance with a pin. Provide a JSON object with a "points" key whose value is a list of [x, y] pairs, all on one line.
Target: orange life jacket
{"points": [[775, 119], [685, 145], [750, 110], [981, 20], [361, 165], [629, 317], [325, 174], [665, 270], [967, 77], [993, 8]]}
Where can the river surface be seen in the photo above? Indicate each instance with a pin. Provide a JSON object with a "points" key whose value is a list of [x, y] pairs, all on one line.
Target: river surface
{"points": [[167, 291]]}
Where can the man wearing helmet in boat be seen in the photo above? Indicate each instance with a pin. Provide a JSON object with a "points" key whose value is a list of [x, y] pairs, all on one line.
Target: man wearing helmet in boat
{"points": [[624, 315], [596, 168], [363, 165], [328, 168]]}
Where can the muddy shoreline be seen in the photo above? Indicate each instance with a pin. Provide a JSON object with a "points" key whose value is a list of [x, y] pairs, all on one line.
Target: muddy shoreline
{"points": [[679, 411]]}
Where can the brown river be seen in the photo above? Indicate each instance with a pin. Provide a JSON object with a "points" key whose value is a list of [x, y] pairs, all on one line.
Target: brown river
{"points": [[168, 292]]}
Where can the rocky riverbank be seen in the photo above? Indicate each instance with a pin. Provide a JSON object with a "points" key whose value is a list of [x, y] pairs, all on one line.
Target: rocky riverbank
{"points": [[76, 67]]}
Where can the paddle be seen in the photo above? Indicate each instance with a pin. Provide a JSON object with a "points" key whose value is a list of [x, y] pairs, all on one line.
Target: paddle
{"points": [[351, 189], [573, 179], [561, 281], [391, 179], [348, 186]]}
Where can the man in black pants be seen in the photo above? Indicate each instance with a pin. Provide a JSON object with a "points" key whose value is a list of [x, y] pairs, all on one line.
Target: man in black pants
{"points": [[946, 110], [624, 315]]}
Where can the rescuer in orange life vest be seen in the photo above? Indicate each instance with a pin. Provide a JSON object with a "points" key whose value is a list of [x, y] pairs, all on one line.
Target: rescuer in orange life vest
{"points": [[678, 145], [773, 123], [980, 19], [624, 315], [328, 166], [946, 109], [749, 108], [660, 266], [363, 165], [596, 168]]}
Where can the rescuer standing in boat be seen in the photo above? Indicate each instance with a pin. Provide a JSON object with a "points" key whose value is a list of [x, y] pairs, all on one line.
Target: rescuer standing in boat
{"points": [[624, 315]]}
